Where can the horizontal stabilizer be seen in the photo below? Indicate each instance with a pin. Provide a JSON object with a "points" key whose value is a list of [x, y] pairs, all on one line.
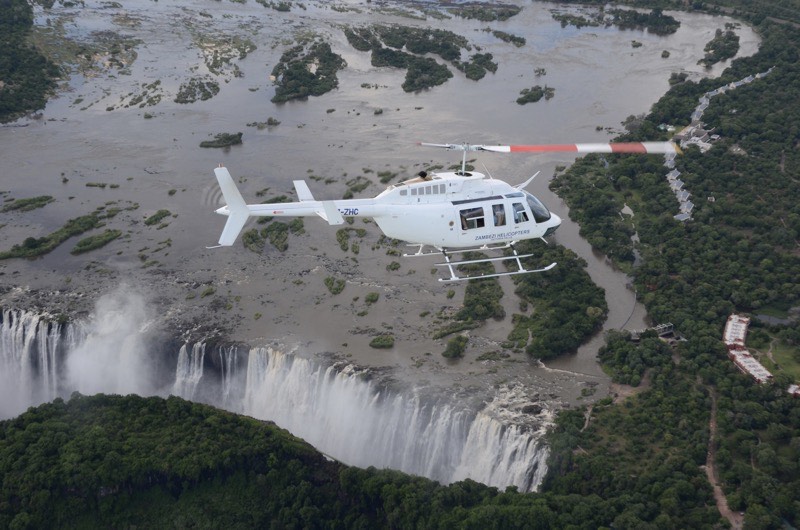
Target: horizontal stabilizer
{"points": [[303, 193]]}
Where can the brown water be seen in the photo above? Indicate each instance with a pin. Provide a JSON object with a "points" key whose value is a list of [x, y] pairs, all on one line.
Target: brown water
{"points": [[156, 163]]}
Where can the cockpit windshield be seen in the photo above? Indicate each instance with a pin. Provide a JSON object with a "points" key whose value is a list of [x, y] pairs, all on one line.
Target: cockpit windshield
{"points": [[540, 211]]}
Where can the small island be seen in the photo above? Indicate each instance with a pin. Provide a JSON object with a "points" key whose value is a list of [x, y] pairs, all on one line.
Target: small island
{"points": [[535, 93], [223, 140]]}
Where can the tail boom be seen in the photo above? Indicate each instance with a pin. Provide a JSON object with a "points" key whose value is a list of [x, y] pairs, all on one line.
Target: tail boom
{"points": [[238, 211]]}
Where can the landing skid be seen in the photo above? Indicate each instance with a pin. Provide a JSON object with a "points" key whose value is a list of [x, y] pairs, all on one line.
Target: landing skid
{"points": [[451, 265], [455, 278]]}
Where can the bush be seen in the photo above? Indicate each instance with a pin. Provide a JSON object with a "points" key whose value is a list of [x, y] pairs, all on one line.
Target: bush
{"points": [[455, 347], [334, 285], [382, 341]]}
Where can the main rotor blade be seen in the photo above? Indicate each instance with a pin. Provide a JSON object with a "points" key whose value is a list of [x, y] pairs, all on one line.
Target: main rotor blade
{"points": [[629, 147]]}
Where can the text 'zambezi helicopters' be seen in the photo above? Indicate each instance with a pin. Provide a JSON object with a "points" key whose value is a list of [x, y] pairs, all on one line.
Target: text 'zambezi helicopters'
{"points": [[456, 211]]}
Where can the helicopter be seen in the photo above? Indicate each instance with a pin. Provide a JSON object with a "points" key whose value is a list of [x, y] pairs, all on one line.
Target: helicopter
{"points": [[451, 212]]}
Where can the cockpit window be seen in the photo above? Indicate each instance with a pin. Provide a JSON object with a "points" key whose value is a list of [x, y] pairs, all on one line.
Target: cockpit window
{"points": [[540, 211]]}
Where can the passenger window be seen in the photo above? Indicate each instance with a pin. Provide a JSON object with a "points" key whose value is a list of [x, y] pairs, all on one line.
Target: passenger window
{"points": [[499, 214], [403, 192], [472, 218], [413, 191], [520, 216]]}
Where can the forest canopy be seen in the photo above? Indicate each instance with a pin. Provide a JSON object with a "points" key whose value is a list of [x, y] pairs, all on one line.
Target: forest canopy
{"points": [[26, 76]]}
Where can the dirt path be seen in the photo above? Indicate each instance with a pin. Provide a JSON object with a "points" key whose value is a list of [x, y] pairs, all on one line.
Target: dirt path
{"points": [[735, 519]]}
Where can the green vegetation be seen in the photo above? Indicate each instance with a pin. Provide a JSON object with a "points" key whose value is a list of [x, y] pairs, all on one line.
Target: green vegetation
{"points": [[306, 70], [276, 232], [114, 461], [639, 463], [261, 125], [283, 7], [655, 21], [738, 254], [157, 217], [27, 76], [482, 301], [223, 140], [93, 242], [508, 37], [579, 21], [197, 88], [371, 298], [33, 247], [220, 51], [382, 342], [455, 347], [477, 66], [406, 47], [535, 93], [254, 240], [486, 13], [627, 361], [334, 285], [343, 237], [723, 46], [25, 205], [278, 235], [355, 186], [568, 307]]}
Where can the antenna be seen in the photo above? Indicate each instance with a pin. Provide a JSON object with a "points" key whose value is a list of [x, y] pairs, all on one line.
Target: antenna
{"points": [[487, 170]]}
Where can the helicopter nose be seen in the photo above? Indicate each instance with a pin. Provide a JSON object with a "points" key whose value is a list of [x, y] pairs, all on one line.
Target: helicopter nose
{"points": [[553, 223]]}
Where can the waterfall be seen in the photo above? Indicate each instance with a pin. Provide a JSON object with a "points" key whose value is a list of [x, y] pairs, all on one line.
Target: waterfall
{"points": [[228, 360], [189, 371], [41, 359], [499, 455], [30, 348], [338, 408], [346, 416]]}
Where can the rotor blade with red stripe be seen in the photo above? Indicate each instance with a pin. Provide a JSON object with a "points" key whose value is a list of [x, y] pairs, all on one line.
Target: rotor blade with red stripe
{"points": [[629, 147]]}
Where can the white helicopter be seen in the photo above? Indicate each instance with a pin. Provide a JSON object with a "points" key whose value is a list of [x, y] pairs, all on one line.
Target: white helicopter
{"points": [[451, 212]]}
